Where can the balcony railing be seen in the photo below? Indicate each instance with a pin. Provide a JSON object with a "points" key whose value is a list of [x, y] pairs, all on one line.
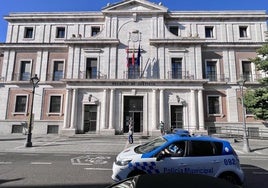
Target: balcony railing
{"points": [[132, 74], [251, 77], [92, 75], [21, 76], [183, 75], [217, 78]]}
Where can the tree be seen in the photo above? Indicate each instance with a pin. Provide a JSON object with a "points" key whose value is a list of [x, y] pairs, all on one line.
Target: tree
{"points": [[256, 100]]}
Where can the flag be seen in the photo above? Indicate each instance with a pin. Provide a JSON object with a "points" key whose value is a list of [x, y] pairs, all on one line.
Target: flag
{"points": [[138, 61], [127, 51], [133, 58]]}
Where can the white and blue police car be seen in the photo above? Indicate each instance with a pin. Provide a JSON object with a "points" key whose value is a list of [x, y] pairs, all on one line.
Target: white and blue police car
{"points": [[173, 153]]}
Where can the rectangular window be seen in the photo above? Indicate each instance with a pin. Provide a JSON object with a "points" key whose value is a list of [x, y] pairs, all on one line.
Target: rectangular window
{"points": [[60, 32], [28, 32], [209, 32], [211, 70], [58, 70], [91, 69], [176, 64], [213, 105], [25, 71], [55, 104], [95, 31], [243, 31], [174, 30], [247, 71], [21, 102]]}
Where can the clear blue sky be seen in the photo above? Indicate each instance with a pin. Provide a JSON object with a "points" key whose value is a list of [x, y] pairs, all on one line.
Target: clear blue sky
{"points": [[8, 6]]}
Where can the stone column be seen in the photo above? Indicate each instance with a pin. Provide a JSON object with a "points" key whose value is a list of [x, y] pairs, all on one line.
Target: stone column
{"points": [[154, 115], [74, 107], [111, 113], [201, 110], [66, 110], [193, 111], [103, 110], [161, 106]]}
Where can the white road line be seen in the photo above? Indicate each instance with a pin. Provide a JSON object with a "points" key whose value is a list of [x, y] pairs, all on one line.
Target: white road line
{"points": [[41, 163], [5, 163], [30, 154], [126, 144], [100, 169], [260, 173]]}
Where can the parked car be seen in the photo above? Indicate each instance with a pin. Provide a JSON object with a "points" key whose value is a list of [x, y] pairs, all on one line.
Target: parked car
{"points": [[172, 180], [177, 154]]}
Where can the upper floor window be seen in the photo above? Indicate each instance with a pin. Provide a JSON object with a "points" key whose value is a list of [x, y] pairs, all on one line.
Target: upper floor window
{"points": [[176, 64], [209, 31], [133, 69], [213, 105], [95, 30], [58, 69], [21, 104], [60, 32], [243, 31], [91, 68], [25, 71], [55, 104], [211, 70], [28, 32], [174, 30], [247, 70]]}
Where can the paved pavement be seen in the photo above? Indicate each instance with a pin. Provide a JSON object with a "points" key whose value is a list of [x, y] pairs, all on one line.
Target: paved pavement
{"points": [[89, 143]]}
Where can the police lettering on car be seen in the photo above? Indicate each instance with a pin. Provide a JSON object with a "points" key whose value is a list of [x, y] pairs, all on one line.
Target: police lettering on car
{"points": [[180, 153]]}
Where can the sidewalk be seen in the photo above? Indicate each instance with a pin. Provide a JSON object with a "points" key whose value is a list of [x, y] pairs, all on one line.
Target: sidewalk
{"points": [[99, 144]]}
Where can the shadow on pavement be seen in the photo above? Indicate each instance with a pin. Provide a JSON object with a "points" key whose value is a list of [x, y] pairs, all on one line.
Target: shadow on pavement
{"points": [[9, 180], [254, 176]]}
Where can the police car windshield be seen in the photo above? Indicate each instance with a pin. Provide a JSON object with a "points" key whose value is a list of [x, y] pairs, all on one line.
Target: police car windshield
{"points": [[150, 146]]}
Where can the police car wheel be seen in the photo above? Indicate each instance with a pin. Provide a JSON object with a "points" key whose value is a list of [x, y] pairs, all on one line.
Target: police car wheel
{"points": [[135, 173], [230, 177]]}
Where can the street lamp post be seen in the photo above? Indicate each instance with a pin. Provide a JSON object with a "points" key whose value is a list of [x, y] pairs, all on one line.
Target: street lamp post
{"points": [[34, 81], [245, 135]]}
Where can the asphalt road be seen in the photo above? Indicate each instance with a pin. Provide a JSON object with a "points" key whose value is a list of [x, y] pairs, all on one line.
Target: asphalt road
{"points": [[88, 170], [87, 162]]}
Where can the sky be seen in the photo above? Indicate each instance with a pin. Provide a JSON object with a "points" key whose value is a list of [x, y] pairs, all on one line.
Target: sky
{"points": [[12, 6]]}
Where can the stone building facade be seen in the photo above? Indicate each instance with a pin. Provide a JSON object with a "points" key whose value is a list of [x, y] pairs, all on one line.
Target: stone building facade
{"points": [[133, 61]]}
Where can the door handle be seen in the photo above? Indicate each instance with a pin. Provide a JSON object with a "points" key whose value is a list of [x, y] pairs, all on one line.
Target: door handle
{"points": [[215, 161]]}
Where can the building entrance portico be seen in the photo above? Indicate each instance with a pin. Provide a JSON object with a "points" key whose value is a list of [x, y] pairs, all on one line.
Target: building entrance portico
{"points": [[133, 113]]}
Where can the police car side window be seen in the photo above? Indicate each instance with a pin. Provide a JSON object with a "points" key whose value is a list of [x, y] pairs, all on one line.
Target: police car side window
{"points": [[176, 149], [218, 148], [201, 148]]}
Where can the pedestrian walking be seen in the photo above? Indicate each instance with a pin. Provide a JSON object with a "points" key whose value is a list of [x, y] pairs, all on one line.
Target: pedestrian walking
{"points": [[162, 128], [130, 133]]}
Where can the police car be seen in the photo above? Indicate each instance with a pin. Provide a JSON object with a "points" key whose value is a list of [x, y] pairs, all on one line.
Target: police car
{"points": [[173, 153]]}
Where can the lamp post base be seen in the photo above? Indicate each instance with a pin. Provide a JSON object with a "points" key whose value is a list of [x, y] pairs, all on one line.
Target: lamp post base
{"points": [[28, 144]]}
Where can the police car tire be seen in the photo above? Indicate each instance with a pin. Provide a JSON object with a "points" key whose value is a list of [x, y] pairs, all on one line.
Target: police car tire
{"points": [[135, 173], [230, 177]]}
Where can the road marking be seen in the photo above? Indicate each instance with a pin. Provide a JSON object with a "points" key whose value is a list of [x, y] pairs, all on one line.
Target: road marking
{"points": [[41, 163], [100, 169], [5, 163], [30, 154], [88, 160], [260, 173]]}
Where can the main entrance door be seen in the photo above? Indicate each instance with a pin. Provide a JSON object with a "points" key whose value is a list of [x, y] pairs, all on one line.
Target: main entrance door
{"points": [[176, 116], [90, 118], [133, 112]]}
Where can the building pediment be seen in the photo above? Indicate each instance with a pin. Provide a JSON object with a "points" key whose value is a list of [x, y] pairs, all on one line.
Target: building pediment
{"points": [[127, 6]]}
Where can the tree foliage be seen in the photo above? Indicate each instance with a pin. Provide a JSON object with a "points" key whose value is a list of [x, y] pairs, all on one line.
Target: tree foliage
{"points": [[256, 100]]}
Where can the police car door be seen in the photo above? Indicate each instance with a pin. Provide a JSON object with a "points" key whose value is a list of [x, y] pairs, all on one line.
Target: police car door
{"points": [[202, 157], [174, 161]]}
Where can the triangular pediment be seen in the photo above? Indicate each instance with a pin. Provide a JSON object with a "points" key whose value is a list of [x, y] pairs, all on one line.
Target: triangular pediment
{"points": [[134, 6]]}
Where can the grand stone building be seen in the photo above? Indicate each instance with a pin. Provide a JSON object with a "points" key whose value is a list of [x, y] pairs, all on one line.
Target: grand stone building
{"points": [[133, 61]]}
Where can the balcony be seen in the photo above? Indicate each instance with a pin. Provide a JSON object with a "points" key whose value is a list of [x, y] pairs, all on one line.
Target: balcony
{"points": [[248, 77], [92, 75], [22, 76], [217, 78], [182, 75]]}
